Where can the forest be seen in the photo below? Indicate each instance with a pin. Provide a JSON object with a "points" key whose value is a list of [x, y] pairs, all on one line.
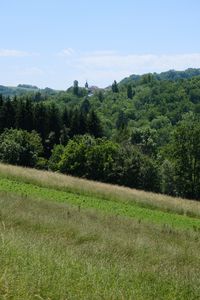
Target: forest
{"points": [[143, 132]]}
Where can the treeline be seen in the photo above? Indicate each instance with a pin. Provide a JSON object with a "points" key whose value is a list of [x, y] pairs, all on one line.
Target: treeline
{"points": [[83, 156], [150, 138], [175, 170], [53, 124]]}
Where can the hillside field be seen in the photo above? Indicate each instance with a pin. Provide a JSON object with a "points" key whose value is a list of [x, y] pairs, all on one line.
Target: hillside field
{"points": [[63, 237]]}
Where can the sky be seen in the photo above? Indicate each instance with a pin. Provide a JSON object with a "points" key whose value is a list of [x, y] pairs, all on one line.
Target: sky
{"points": [[51, 43]]}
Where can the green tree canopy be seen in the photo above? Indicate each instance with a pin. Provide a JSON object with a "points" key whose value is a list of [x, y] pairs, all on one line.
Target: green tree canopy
{"points": [[186, 156], [20, 147]]}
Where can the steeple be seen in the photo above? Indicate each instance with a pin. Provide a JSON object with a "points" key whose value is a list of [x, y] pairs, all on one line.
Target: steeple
{"points": [[86, 85]]}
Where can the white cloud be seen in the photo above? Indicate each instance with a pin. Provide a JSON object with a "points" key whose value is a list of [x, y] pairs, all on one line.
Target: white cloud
{"points": [[102, 67], [139, 63], [15, 53], [66, 52]]}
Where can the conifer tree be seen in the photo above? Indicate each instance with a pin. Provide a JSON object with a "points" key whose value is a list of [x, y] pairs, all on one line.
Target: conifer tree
{"points": [[85, 106], [54, 121], [76, 88], [41, 120], [7, 115], [122, 121], [1, 100], [82, 123], [129, 92], [28, 118], [94, 125], [20, 115], [115, 88], [75, 123], [66, 118]]}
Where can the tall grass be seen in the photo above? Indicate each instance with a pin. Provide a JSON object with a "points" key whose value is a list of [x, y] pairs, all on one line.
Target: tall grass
{"points": [[101, 190], [107, 206], [55, 251]]}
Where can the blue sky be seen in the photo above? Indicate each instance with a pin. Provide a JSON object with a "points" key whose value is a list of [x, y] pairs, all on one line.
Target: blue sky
{"points": [[51, 43]]}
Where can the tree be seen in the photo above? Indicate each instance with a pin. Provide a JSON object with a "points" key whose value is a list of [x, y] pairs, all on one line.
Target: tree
{"points": [[1, 100], [64, 135], [85, 106], [66, 118], [76, 88], [129, 92], [168, 178], [75, 123], [20, 115], [94, 125], [82, 123], [20, 147], [101, 159], [122, 120], [28, 118], [55, 158], [7, 115], [49, 144], [85, 156], [54, 121], [100, 96], [41, 120], [186, 156], [149, 175], [37, 97], [115, 87], [73, 161], [134, 169], [145, 139]]}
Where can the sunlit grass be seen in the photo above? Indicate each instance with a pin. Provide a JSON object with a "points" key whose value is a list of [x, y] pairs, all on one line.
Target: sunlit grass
{"points": [[127, 209], [54, 251], [68, 238], [106, 191]]}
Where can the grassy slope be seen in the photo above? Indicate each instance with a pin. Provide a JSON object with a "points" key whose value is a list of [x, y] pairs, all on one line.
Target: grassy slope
{"points": [[105, 205], [101, 190], [54, 250]]}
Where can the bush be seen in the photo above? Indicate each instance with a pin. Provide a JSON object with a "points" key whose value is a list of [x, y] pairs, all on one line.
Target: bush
{"points": [[73, 160], [42, 163], [106, 161], [20, 147], [55, 158]]}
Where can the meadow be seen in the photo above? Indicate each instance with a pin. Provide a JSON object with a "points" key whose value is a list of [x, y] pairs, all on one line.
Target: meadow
{"points": [[69, 238]]}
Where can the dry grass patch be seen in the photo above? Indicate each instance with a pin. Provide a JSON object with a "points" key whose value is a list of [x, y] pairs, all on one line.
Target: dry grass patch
{"points": [[97, 189]]}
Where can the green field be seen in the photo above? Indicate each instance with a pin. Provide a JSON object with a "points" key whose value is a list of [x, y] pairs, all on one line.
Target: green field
{"points": [[66, 238]]}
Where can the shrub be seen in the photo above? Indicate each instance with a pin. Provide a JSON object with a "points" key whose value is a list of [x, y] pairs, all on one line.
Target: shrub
{"points": [[20, 147]]}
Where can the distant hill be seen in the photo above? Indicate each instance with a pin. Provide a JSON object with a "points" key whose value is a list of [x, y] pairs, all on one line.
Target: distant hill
{"points": [[169, 75], [27, 86], [172, 75], [22, 89]]}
